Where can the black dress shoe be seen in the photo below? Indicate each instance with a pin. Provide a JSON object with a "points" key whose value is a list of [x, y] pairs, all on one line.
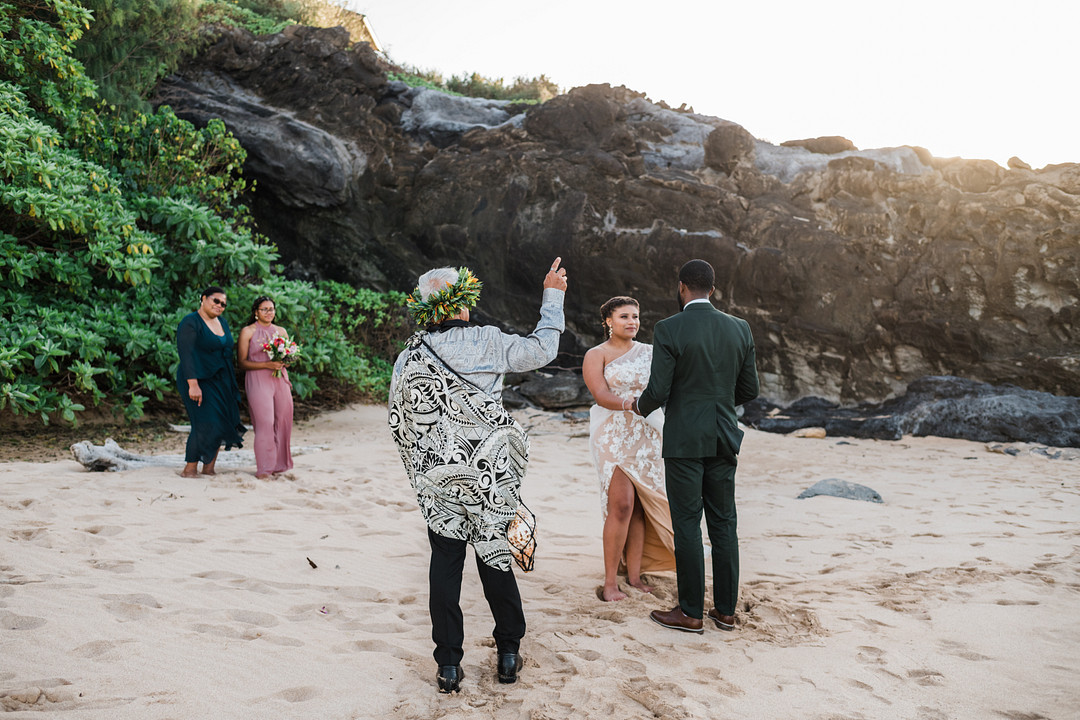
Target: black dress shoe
{"points": [[449, 678], [509, 664]]}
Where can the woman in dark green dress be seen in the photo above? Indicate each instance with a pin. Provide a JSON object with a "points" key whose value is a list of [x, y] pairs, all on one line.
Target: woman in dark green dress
{"points": [[206, 380]]}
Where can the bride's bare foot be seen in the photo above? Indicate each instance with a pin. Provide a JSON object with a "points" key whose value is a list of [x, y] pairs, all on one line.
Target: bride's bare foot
{"points": [[640, 585], [613, 593]]}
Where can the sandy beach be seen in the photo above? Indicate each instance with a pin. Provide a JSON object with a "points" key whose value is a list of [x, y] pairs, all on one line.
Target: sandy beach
{"points": [[142, 595]]}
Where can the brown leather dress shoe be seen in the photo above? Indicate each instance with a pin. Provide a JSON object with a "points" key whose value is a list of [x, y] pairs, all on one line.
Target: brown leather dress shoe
{"points": [[676, 619], [724, 622]]}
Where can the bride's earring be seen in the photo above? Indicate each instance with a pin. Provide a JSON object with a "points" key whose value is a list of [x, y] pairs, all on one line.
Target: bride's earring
{"points": [[607, 330]]}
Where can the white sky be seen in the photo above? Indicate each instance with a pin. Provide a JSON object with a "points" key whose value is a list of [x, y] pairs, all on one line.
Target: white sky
{"points": [[976, 79]]}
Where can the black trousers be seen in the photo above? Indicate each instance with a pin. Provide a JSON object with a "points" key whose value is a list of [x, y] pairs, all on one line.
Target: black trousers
{"points": [[447, 623]]}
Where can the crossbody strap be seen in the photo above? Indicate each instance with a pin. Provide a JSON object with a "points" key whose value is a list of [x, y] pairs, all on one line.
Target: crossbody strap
{"points": [[458, 375]]}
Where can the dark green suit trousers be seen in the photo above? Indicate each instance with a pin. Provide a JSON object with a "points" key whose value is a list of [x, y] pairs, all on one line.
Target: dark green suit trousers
{"points": [[697, 486]]}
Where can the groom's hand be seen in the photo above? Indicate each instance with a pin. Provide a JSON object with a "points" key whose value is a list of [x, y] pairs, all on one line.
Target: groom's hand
{"points": [[556, 278], [634, 407]]}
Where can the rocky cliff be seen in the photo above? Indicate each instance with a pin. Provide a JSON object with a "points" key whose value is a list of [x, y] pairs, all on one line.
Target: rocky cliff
{"points": [[859, 271]]}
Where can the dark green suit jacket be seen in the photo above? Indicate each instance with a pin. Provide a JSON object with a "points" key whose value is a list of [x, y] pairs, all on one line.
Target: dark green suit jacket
{"points": [[702, 368]]}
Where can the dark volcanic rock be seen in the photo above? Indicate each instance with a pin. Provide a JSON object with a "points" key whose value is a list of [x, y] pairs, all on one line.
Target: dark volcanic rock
{"points": [[941, 406], [561, 390], [841, 489], [727, 146], [858, 271]]}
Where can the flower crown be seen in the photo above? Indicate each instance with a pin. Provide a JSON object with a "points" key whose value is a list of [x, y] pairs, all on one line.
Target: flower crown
{"points": [[445, 303]]}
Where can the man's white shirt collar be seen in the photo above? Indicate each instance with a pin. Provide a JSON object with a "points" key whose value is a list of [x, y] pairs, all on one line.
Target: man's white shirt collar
{"points": [[699, 300]]}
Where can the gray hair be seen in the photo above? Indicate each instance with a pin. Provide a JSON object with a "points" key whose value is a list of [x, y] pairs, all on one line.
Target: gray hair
{"points": [[435, 280]]}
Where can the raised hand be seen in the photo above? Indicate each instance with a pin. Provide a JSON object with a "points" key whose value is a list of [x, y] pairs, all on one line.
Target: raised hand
{"points": [[556, 277]]}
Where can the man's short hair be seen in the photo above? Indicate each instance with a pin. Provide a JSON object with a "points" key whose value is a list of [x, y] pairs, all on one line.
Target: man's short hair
{"points": [[697, 276], [435, 280]]}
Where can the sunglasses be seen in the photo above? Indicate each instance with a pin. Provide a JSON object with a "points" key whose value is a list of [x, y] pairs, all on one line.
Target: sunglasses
{"points": [[222, 303]]}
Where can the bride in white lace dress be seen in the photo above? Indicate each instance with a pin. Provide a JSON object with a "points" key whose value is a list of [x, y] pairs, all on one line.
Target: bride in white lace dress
{"points": [[627, 452]]}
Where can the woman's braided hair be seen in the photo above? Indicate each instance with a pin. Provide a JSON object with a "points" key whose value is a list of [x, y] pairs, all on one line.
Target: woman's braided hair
{"points": [[608, 308]]}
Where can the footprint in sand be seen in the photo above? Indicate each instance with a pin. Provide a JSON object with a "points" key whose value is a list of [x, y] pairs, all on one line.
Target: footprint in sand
{"points": [[104, 530], [283, 640], [221, 630], [250, 617], [11, 621], [961, 651], [664, 700], [394, 650], [118, 566], [708, 676], [95, 649], [926, 677], [218, 575], [870, 655], [136, 599], [614, 616], [183, 540], [127, 611], [298, 694], [629, 667], [38, 536], [131, 607]]}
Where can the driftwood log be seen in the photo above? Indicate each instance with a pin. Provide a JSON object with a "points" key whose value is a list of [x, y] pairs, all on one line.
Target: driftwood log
{"points": [[111, 457]]}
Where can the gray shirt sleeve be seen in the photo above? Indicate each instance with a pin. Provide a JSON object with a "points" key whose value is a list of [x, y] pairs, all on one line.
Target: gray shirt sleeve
{"points": [[484, 354], [539, 347]]}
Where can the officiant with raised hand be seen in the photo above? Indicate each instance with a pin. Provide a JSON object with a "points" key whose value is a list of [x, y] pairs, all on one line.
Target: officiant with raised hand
{"points": [[464, 454]]}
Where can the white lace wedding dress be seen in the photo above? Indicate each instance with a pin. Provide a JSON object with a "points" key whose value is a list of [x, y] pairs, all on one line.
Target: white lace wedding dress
{"points": [[626, 440]]}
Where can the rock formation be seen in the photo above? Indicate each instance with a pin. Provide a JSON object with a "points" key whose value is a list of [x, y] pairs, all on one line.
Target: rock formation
{"points": [[940, 406], [858, 270]]}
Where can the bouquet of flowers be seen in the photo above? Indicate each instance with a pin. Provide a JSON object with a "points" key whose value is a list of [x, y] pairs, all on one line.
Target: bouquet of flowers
{"points": [[281, 349]]}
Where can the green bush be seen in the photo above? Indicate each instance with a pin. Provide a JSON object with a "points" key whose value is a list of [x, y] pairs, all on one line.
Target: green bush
{"points": [[539, 89], [525, 90], [262, 17], [348, 336], [112, 220], [132, 43]]}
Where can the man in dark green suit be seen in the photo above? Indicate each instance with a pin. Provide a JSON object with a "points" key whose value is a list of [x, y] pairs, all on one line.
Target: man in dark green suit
{"points": [[702, 368]]}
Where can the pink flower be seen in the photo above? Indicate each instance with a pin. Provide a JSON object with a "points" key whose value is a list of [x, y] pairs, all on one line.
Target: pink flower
{"points": [[281, 349]]}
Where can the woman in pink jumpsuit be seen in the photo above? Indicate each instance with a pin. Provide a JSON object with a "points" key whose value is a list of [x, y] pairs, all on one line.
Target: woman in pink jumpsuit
{"points": [[269, 398]]}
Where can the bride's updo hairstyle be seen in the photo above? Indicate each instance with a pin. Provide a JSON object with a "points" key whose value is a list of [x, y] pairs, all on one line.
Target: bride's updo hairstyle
{"points": [[608, 308]]}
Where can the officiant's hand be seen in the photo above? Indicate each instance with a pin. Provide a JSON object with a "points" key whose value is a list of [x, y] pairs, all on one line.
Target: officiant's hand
{"points": [[556, 277]]}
